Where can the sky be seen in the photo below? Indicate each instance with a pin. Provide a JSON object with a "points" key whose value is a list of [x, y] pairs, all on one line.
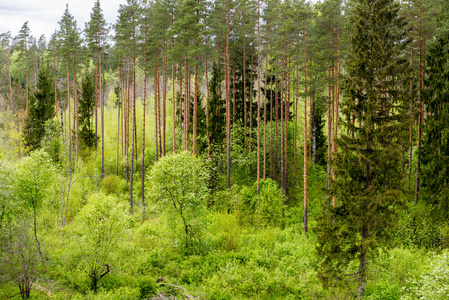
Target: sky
{"points": [[43, 15]]}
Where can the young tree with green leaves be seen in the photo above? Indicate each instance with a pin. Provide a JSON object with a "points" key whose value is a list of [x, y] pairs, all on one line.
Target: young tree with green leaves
{"points": [[368, 183], [179, 183]]}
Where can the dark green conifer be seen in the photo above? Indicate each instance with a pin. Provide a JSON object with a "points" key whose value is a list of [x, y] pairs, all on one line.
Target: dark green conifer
{"points": [[41, 109], [86, 111], [368, 185], [435, 148]]}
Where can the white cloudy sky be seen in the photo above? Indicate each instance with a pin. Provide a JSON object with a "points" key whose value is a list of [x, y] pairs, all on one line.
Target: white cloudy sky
{"points": [[43, 15]]}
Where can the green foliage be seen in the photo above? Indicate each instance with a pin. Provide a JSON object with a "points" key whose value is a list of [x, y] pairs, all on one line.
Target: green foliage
{"points": [[433, 284], [8, 203], [178, 182], [226, 231], [269, 212], [368, 185], [97, 228], [51, 143], [85, 112], [434, 153], [111, 184], [41, 109], [19, 255], [35, 173]]}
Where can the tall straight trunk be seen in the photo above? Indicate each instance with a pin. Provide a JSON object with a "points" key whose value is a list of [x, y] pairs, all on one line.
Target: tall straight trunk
{"points": [[159, 113], [410, 145], [258, 103], [102, 118], [133, 146], [272, 169], [164, 100], [173, 106], [334, 117], [181, 108], [26, 77], [69, 130], [207, 106], [251, 100], [127, 120], [244, 90], [186, 105], [276, 119], [119, 100], [55, 83], [265, 120], [143, 122], [329, 135], [305, 132], [195, 108], [233, 97], [228, 108], [96, 101], [281, 104], [286, 119], [420, 106], [156, 118], [75, 99], [295, 143], [61, 112]]}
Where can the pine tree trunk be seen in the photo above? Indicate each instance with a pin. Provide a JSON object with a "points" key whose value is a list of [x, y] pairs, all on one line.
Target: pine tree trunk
{"points": [[143, 123], [133, 130], [420, 107], [305, 132], [102, 119], [244, 90], [207, 106], [75, 99], [119, 100], [258, 103], [164, 101], [195, 95], [329, 136], [228, 108], [156, 118]]}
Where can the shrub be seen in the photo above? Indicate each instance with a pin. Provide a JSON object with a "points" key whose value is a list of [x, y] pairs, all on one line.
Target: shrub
{"points": [[111, 184]]}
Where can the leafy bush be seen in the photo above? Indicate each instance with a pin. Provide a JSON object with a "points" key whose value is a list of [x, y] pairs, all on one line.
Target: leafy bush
{"points": [[270, 204], [433, 284], [97, 229], [111, 184], [226, 231]]}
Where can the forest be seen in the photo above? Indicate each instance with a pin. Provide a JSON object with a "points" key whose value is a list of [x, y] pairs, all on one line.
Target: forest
{"points": [[228, 149]]}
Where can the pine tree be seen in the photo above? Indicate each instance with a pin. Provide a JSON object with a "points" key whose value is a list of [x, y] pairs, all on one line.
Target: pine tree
{"points": [[22, 42], [41, 109], [96, 35], [368, 182], [69, 47]]}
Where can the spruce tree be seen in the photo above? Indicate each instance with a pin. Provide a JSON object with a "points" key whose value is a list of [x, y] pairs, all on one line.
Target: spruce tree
{"points": [[368, 182], [434, 152], [41, 109], [86, 111]]}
